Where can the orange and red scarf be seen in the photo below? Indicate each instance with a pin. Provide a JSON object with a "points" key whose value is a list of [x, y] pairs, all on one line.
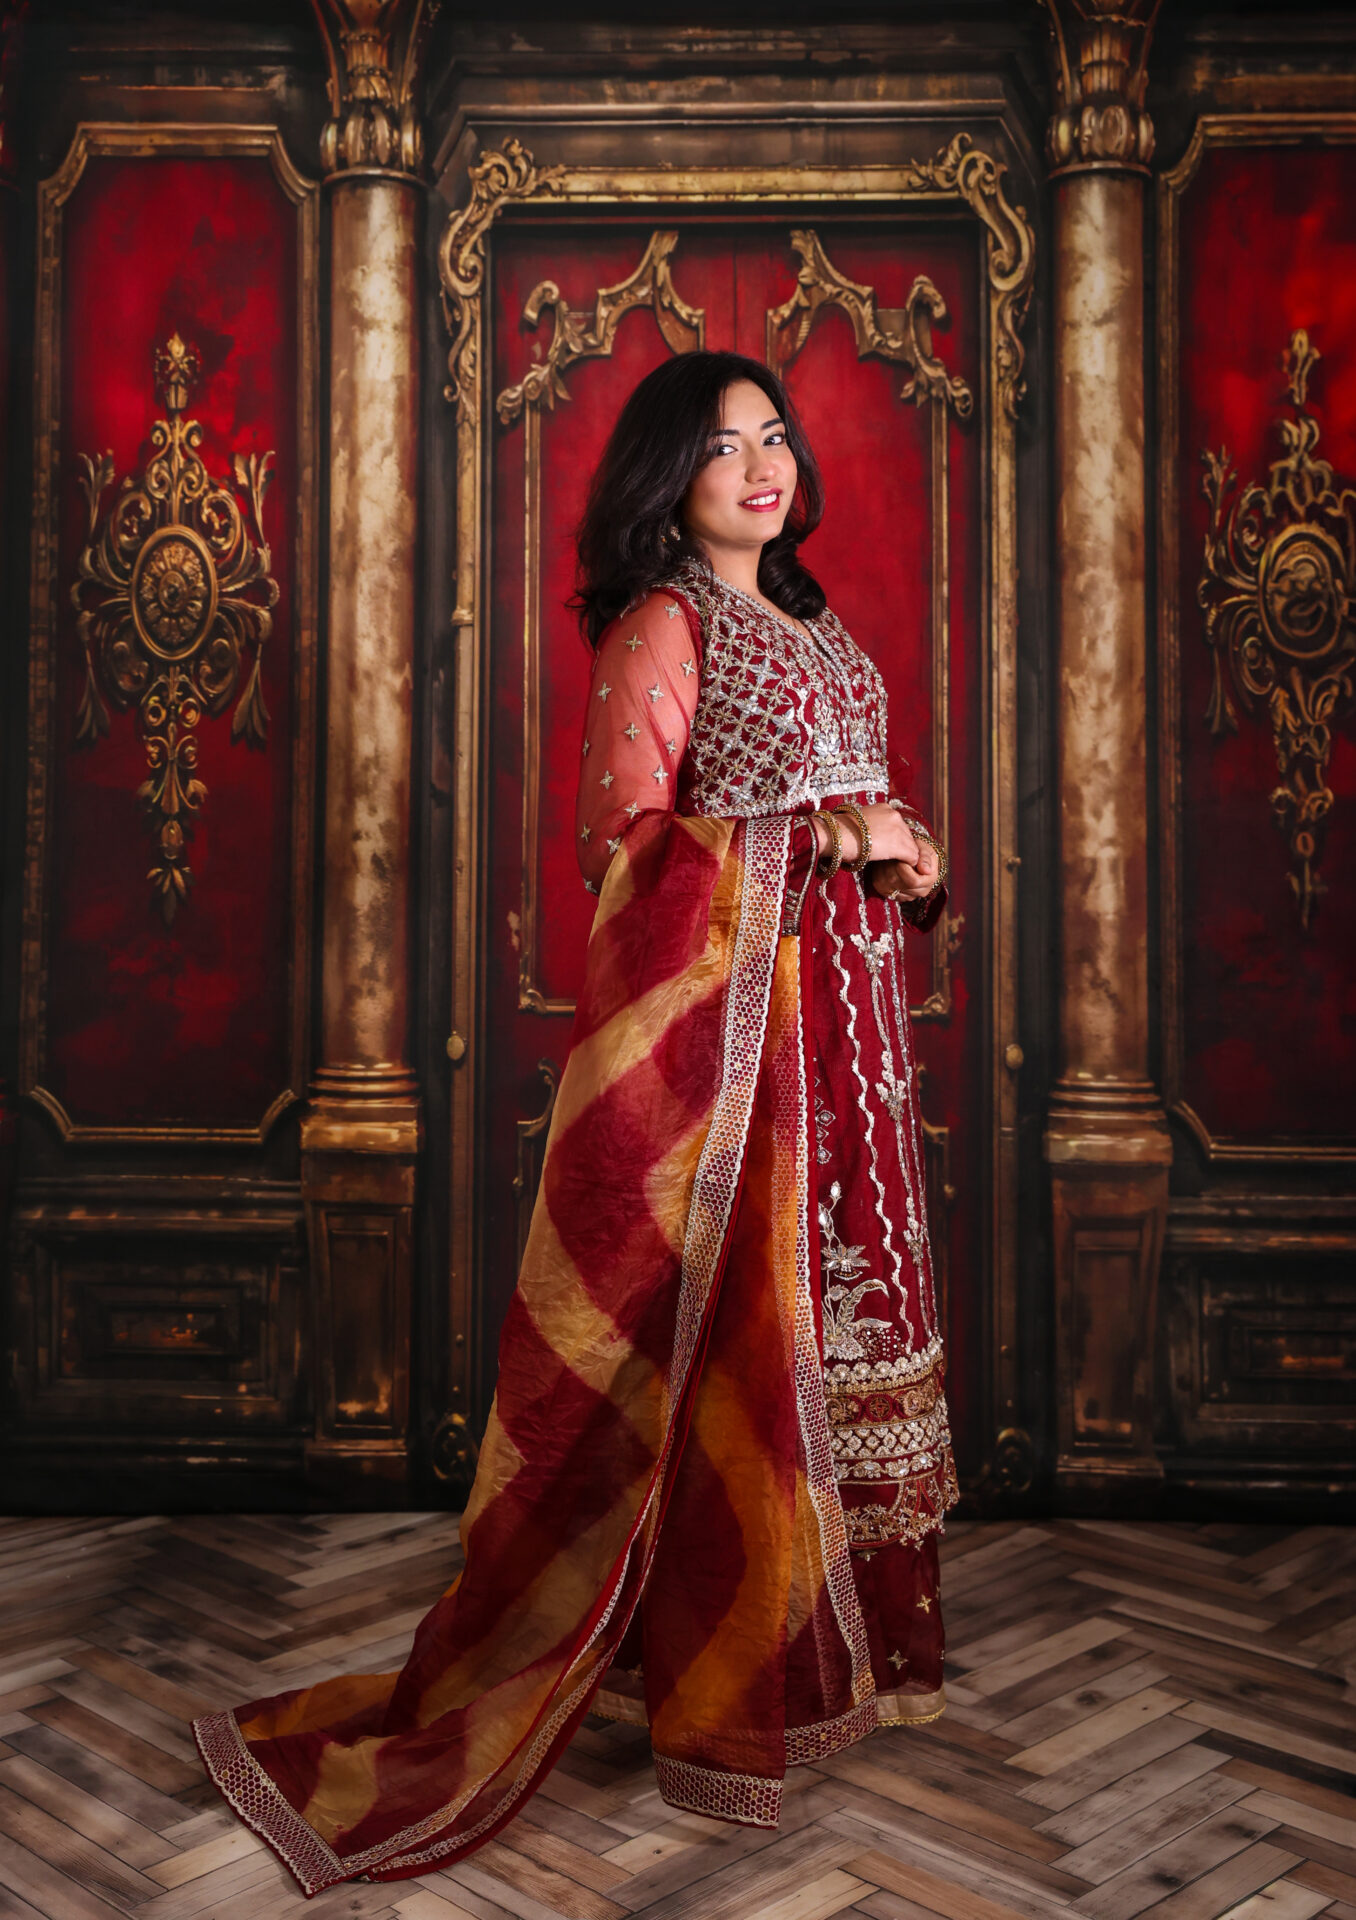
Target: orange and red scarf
{"points": [[658, 1437]]}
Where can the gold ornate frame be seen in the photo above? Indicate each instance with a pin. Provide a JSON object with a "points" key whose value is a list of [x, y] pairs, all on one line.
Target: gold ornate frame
{"points": [[1212, 130], [961, 178], [189, 140]]}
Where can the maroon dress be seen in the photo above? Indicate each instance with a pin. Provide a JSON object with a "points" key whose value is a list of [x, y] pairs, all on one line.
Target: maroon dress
{"points": [[703, 700]]}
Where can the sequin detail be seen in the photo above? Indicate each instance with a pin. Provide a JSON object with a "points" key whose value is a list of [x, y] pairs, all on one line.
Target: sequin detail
{"points": [[784, 718]]}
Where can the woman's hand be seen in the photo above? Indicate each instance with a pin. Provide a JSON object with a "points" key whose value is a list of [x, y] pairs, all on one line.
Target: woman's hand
{"points": [[902, 866], [900, 880]]}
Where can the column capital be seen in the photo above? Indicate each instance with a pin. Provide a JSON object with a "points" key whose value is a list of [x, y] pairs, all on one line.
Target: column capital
{"points": [[1099, 51], [375, 49]]}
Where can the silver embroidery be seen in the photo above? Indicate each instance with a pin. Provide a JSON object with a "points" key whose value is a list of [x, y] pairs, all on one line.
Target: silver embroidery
{"points": [[784, 716], [841, 1265], [823, 1121]]}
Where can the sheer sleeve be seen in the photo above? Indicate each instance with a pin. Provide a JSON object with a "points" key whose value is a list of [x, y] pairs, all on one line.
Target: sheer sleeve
{"points": [[642, 696]]}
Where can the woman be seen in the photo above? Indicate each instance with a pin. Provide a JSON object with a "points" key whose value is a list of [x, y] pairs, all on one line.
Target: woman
{"points": [[718, 1461]]}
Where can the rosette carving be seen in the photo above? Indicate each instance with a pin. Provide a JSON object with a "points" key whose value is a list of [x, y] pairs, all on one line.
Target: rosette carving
{"points": [[174, 598], [1276, 590]]}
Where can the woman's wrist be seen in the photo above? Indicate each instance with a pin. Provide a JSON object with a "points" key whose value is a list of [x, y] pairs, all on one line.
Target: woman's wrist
{"points": [[836, 838]]}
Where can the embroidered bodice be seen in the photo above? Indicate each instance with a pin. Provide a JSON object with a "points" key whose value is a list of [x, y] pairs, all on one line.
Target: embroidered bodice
{"points": [[703, 699], [782, 720]]}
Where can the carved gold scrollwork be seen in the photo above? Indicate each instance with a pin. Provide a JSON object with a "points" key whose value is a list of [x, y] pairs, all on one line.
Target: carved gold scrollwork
{"points": [[172, 591], [1277, 589], [577, 338], [505, 173], [977, 177], [894, 333]]}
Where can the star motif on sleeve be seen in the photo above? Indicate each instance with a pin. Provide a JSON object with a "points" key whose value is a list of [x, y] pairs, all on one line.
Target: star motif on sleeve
{"points": [[671, 609], [659, 776], [689, 668], [670, 746], [584, 833], [604, 691], [634, 642], [631, 731], [586, 749], [613, 845], [607, 778], [925, 1603], [656, 692], [633, 809], [896, 1661]]}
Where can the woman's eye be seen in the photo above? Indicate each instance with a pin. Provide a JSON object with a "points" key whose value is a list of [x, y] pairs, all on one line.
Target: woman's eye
{"points": [[774, 440]]}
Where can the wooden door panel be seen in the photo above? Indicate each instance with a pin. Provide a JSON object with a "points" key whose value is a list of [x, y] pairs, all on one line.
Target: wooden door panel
{"points": [[900, 554]]}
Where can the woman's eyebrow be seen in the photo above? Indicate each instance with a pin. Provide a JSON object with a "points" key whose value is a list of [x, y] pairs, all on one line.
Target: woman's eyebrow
{"points": [[721, 433]]}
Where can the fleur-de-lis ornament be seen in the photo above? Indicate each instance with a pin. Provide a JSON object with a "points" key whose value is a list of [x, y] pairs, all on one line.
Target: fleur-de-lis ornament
{"points": [[174, 599]]}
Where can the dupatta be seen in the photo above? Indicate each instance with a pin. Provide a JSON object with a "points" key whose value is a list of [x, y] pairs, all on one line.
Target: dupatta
{"points": [[658, 1436]]}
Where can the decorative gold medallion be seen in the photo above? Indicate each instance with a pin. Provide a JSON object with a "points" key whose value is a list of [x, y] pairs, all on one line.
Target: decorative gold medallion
{"points": [[1276, 590], [172, 592]]}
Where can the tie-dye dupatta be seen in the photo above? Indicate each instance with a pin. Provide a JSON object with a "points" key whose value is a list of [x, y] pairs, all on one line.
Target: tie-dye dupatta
{"points": [[655, 1427]]}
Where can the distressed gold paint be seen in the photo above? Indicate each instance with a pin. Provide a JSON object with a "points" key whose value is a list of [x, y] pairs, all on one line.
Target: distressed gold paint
{"points": [[374, 446]]}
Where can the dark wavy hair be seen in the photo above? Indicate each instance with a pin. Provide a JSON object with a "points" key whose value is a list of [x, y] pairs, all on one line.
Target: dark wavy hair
{"points": [[661, 440]]}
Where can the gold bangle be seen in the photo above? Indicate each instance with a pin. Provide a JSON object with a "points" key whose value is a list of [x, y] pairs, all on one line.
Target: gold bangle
{"points": [[834, 855], [858, 819], [943, 864]]}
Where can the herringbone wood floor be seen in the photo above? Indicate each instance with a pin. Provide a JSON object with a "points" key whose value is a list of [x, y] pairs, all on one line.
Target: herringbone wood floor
{"points": [[1144, 1720]]}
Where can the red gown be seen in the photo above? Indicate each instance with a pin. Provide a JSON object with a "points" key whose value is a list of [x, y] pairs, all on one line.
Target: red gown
{"points": [[718, 1461], [703, 701]]}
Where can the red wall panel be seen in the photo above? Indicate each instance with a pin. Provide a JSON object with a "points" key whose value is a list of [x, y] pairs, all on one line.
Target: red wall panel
{"points": [[1268, 245], [149, 1025]]}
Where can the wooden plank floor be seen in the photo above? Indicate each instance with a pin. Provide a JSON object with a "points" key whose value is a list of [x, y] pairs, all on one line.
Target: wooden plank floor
{"points": [[1144, 1720]]}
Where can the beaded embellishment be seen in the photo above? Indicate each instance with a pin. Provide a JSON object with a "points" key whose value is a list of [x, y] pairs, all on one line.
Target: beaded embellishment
{"points": [[783, 719]]}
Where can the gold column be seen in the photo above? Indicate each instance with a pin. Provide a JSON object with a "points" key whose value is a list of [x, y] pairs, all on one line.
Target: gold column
{"points": [[360, 1136], [1106, 1140]]}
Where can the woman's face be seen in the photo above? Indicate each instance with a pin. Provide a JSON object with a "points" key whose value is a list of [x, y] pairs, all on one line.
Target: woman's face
{"points": [[743, 493]]}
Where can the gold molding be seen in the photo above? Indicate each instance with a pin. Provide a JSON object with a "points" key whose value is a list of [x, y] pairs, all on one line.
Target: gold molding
{"points": [[682, 328], [1211, 131], [508, 180], [902, 335], [190, 140]]}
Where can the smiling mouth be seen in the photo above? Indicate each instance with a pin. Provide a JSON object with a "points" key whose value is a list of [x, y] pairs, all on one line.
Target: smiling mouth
{"points": [[762, 502]]}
